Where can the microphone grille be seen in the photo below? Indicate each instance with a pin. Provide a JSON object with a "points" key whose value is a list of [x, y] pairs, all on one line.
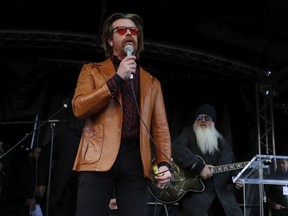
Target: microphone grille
{"points": [[128, 49]]}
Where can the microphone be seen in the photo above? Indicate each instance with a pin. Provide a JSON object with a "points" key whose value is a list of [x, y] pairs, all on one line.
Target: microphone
{"points": [[128, 49], [65, 103]]}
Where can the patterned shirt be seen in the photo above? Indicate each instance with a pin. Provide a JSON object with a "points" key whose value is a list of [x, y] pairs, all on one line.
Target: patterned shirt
{"points": [[129, 90]]}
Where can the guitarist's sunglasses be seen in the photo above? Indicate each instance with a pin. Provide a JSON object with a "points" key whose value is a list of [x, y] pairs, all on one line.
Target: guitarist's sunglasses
{"points": [[205, 117]]}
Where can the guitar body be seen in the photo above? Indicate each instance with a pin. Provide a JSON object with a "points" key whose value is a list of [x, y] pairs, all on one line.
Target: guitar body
{"points": [[183, 182], [179, 185]]}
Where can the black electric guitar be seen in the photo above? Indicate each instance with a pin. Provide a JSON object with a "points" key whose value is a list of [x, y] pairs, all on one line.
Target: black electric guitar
{"points": [[182, 182]]}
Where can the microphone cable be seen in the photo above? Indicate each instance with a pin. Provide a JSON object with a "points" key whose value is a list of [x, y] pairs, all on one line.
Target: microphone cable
{"points": [[160, 191], [153, 141], [150, 136]]}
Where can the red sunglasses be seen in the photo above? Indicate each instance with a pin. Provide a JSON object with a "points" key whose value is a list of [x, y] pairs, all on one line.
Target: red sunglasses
{"points": [[121, 30]]}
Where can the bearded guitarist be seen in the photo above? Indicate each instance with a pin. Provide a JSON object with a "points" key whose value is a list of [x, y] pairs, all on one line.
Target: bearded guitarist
{"points": [[204, 140]]}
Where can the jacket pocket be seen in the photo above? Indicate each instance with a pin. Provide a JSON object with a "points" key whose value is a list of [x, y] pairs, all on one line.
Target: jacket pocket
{"points": [[92, 143]]}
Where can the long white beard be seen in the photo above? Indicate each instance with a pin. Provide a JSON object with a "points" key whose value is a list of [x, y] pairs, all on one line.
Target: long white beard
{"points": [[207, 138]]}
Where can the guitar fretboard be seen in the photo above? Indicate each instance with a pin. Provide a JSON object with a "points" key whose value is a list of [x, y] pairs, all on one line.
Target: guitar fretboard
{"points": [[228, 167]]}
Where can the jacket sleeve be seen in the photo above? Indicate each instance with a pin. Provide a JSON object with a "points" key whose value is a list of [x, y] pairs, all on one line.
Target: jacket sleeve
{"points": [[91, 94]]}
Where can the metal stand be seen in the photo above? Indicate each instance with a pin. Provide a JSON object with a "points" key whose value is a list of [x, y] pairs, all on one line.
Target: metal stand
{"points": [[52, 126], [49, 120]]}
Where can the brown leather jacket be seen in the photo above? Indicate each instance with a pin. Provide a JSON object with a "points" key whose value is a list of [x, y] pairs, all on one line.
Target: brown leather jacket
{"points": [[101, 134]]}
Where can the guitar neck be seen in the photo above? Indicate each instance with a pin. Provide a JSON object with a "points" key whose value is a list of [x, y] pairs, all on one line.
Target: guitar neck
{"points": [[229, 167]]}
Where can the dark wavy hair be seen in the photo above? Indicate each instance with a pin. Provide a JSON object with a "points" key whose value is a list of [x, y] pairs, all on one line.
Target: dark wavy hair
{"points": [[107, 30]]}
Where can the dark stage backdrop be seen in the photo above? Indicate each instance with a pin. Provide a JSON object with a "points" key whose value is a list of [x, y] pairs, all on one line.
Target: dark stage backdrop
{"points": [[29, 89]]}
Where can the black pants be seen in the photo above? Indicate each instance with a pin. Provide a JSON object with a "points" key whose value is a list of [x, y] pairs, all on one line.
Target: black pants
{"points": [[125, 178]]}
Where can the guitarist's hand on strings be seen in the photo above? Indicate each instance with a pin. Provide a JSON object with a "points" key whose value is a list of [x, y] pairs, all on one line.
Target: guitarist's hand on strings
{"points": [[163, 177], [206, 172]]}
